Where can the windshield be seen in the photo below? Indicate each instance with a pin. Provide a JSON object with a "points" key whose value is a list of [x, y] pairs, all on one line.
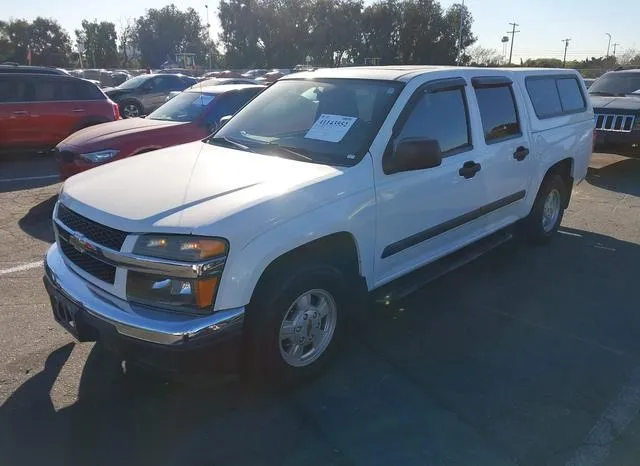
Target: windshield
{"points": [[330, 121], [617, 83], [186, 106], [133, 82]]}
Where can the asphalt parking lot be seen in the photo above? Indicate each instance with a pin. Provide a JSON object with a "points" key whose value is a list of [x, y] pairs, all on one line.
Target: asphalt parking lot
{"points": [[527, 356]]}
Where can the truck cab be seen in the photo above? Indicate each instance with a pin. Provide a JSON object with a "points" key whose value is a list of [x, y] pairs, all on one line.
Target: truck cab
{"points": [[328, 187]]}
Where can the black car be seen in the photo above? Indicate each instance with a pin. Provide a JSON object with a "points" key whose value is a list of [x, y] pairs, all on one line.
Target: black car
{"points": [[616, 104], [145, 93]]}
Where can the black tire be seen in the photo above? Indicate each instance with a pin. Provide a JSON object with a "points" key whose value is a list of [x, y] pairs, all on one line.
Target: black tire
{"points": [[263, 361], [532, 228], [134, 105]]}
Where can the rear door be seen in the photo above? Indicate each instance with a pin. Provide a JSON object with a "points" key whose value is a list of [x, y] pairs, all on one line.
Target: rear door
{"points": [[15, 124], [54, 110], [505, 147]]}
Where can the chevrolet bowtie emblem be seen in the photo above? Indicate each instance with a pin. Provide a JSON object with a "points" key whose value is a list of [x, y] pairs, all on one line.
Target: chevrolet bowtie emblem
{"points": [[80, 244]]}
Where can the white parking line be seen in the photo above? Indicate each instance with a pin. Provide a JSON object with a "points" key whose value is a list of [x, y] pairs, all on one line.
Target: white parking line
{"points": [[616, 417], [28, 178], [21, 268]]}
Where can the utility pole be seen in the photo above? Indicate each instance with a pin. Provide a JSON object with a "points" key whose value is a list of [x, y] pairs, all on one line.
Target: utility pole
{"points": [[566, 46], [609, 43], [614, 48], [513, 33], [460, 40]]}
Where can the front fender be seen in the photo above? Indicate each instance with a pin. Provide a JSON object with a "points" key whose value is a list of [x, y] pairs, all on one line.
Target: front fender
{"points": [[354, 214]]}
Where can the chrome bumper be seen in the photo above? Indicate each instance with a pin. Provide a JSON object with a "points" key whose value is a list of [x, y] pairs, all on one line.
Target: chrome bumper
{"points": [[138, 322]]}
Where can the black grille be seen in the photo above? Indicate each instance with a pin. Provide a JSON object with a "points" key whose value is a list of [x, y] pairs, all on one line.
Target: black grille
{"points": [[92, 266], [103, 235]]}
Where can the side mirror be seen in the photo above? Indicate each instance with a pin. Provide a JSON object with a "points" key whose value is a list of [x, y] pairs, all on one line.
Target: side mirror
{"points": [[416, 154], [224, 120]]}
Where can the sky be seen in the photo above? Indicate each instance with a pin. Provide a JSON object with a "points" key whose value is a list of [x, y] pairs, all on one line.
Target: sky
{"points": [[543, 24]]}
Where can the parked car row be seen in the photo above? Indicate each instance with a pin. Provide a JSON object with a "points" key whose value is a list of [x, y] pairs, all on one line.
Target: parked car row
{"points": [[191, 116]]}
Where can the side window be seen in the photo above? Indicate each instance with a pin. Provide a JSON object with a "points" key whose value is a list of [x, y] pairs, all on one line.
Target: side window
{"points": [[544, 96], [498, 112], [12, 90], [44, 90], [161, 84], [570, 95], [228, 104], [553, 96], [442, 116]]}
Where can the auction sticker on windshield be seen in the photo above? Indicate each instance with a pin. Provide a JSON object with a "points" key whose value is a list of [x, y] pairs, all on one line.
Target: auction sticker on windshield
{"points": [[330, 128]]}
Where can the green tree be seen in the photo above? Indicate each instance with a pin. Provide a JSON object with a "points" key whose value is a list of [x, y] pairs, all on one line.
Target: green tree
{"points": [[99, 44], [240, 22], [48, 42], [283, 31], [381, 24], [481, 56], [336, 31], [160, 34]]}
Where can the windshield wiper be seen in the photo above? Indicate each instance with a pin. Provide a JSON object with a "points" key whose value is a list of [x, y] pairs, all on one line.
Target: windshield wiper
{"points": [[290, 151], [225, 141], [607, 94]]}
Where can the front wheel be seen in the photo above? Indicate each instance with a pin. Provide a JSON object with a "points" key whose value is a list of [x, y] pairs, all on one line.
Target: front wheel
{"points": [[293, 324], [130, 109], [547, 212]]}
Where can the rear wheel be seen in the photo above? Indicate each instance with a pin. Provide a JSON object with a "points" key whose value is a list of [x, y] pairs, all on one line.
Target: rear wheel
{"points": [[294, 323], [547, 212]]}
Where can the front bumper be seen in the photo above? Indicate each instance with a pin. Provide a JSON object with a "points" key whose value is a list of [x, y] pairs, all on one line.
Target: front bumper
{"points": [[616, 141], [164, 339]]}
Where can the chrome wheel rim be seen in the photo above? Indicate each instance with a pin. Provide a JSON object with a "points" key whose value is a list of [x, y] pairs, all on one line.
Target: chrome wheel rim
{"points": [[131, 111], [307, 328], [551, 210]]}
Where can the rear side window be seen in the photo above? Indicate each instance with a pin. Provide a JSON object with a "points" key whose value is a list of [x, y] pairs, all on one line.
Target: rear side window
{"points": [[51, 89], [442, 116], [570, 95], [498, 112], [12, 90], [555, 96], [544, 97]]}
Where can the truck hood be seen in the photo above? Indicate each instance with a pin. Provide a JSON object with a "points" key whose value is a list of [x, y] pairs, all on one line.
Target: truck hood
{"points": [[615, 103], [182, 188], [103, 134]]}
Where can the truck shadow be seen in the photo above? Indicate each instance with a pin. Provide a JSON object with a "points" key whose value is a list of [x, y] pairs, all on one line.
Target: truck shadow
{"points": [[622, 177], [456, 349], [37, 222]]}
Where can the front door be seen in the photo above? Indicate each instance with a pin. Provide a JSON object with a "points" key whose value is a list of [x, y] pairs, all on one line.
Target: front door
{"points": [[15, 126], [425, 214]]}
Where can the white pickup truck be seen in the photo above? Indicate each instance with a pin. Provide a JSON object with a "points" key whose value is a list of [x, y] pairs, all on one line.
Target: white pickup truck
{"points": [[263, 239]]}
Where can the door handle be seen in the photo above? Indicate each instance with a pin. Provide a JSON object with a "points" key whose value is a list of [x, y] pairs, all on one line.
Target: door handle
{"points": [[20, 112], [469, 169], [521, 153], [78, 110]]}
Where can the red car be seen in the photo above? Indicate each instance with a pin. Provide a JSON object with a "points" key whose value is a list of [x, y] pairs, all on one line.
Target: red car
{"points": [[190, 116], [37, 111]]}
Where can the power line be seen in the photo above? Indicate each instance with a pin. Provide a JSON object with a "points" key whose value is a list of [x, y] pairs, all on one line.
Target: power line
{"points": [[566, 46], [513, 33]]}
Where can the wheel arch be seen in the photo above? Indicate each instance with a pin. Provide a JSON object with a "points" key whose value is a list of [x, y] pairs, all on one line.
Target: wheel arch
{"points": [[564, 168], [338, 249]]}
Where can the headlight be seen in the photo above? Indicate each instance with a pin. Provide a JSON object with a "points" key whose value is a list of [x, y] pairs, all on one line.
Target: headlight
{"points": [[99, 156], [190, 294]]}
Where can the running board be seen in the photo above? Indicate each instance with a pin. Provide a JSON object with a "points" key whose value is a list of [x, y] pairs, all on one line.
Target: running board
{"points": [[415, 280]]}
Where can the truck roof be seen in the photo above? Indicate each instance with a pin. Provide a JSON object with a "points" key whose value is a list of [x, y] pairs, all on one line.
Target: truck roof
{"points": [[408, 72]]}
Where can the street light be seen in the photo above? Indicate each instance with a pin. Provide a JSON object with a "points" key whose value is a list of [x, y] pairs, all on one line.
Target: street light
{"points": [[609, 44]]}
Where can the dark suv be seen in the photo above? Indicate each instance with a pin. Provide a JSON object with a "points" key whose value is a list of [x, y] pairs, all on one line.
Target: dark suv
{"points": [[616, 104], [143, 94], [37, 111]]}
